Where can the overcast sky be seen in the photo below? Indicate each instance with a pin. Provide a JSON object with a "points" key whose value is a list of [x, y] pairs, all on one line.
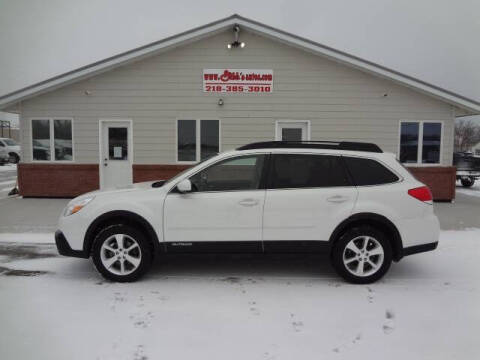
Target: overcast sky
{"points": [[434, 40]]}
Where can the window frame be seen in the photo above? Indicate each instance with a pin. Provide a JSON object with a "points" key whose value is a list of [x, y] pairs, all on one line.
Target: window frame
{"points": [[279, 123], [420, 123], [52, 138], [268, 182], [198, 135]]}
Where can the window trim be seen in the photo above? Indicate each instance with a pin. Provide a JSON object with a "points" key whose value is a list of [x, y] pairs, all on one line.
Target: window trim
{"points": [[197, 139], [278, 123], [52, 138], [420, 123]]}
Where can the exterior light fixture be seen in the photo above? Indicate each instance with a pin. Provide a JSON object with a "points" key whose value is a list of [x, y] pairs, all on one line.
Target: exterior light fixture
{"points": [[220, 102], [236, 43]]}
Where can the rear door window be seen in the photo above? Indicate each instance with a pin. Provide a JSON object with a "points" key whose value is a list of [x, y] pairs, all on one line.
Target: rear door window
{"points": [[369, 172], [306, 171]]}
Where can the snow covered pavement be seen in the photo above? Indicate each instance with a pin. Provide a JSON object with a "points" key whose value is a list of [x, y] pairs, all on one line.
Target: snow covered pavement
{"points": [[240, 307], [473, 191]]}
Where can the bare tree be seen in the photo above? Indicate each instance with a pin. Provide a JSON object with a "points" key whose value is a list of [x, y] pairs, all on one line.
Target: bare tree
{"points": [[467, 134]]}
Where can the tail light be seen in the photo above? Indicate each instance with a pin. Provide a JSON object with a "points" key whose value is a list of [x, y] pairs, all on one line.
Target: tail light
{"points": [[421, 193]]}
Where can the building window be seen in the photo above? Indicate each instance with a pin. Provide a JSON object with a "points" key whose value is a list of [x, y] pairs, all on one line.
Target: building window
{"points": [[292, 130], [420, 142], [197, 139], [52, 140], [187, 140]]}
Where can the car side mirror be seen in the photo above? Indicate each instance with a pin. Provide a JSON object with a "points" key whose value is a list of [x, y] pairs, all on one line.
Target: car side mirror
{"points": [[184, 186]]}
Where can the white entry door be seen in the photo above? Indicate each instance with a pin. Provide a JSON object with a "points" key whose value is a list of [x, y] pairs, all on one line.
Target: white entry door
{"points": [[115, 153], [292, 130]]}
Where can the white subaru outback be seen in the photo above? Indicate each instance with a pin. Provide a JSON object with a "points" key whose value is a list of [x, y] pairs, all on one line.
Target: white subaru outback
{"points": [[348, 199]]}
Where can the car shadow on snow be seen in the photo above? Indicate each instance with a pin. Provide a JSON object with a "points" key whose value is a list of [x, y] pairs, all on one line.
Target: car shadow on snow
{"points": [[243, 265]]}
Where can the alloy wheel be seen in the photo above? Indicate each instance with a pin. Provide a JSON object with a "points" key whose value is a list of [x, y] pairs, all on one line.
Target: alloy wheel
{"points": [[363, 256], [120, 254]]}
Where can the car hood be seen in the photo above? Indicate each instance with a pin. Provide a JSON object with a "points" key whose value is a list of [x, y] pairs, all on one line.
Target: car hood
{"points": [[123, 189]]}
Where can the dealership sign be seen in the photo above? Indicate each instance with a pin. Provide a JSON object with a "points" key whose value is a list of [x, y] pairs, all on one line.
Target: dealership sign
{"points": [[237, 81]]}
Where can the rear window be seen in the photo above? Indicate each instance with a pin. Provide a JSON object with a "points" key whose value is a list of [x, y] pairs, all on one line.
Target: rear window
{"points": [[369, 172], [306, 171]]}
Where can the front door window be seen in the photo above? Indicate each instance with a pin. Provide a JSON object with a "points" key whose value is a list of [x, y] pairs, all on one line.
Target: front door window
{"points": [[240, 173]]}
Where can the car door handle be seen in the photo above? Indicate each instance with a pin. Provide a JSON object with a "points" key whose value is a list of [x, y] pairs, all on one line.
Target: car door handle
{"points": [[337, 199], [248, 202]]}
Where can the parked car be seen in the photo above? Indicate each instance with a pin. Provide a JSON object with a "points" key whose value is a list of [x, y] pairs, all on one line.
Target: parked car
{"points": [[350, 200], [13, 149], [468, 168], [4, 157]]}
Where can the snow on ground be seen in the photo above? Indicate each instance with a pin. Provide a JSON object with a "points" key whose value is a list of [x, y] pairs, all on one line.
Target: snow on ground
{"points": [[241, 307], [473, 191], [28, 238], [8, 167]]}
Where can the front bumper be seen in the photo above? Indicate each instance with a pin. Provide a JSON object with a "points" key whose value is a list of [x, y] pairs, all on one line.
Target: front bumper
{"points": [[64, 248], [419, 248]]}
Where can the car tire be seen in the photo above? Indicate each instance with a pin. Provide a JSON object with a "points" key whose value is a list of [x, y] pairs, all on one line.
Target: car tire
{"points": [[362, 255], [122, 253], [14, 158], [467, 182]]}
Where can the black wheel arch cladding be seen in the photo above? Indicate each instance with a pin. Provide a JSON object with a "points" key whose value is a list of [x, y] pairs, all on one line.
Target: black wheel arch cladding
{"points": [[120, 217], [375, 220]]}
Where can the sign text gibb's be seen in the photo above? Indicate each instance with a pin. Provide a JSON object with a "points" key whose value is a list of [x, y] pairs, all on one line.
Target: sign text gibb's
{"points": [[237, 80]]}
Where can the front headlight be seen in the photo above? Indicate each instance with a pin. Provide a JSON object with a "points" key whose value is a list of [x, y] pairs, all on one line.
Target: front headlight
{"points": [[76, 206]]}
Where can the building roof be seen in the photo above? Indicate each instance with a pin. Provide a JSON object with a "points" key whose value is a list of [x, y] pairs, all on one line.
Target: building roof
{"points": [[471, 106]]}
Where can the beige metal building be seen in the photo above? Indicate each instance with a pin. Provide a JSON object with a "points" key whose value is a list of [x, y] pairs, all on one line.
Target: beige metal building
{"points": [[150, 112]]}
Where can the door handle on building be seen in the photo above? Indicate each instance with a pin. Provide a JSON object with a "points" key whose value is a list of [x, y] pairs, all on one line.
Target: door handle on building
{"points": [[248, 202], [337, 199]]}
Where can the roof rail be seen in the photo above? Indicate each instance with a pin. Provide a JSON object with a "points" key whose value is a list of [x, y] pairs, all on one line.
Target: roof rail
{"points": [[335, 145]]}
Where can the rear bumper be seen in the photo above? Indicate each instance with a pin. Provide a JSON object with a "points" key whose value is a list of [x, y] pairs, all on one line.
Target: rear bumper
{"points": [[64, 248], [419, 248]]}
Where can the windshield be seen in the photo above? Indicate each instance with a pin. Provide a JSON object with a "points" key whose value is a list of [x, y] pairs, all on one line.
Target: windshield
{"points": [[10, 142]]}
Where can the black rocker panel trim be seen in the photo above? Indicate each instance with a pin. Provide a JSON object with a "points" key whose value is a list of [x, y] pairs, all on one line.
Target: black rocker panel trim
{"points": [[247, 247], [214, 247], [296, 246]]}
